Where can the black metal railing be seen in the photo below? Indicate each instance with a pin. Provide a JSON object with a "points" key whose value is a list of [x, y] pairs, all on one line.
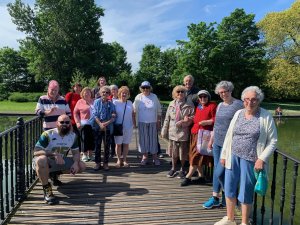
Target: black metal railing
{"points": [[16, 173], [283, 184]]}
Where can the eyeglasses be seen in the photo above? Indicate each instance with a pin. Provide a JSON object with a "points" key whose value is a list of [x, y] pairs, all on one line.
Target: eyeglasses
{"points": [[179, 92], [146, 87], [64, 122], [252, 100], [202, 96], [223, 92]]}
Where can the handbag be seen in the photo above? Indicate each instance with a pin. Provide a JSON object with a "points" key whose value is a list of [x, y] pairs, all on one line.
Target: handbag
{"points": [[261, 185], [202, 142], [118, 128]]}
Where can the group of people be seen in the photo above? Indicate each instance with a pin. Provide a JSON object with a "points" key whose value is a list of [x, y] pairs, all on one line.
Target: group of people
{"points": [[235, 136]]}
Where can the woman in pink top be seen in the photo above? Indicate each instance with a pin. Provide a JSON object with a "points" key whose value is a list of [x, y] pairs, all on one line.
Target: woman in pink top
{"points": [[82, 114]]}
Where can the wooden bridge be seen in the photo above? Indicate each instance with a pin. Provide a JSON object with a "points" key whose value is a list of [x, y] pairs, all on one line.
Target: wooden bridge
{"points": [[135, 195]]}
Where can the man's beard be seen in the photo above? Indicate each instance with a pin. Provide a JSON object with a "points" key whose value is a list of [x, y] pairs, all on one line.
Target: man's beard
{"points": [[64, 130]]}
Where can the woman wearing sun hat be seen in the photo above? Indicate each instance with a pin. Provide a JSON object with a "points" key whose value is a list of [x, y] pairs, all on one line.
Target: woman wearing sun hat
{"points": [[147, 111]]}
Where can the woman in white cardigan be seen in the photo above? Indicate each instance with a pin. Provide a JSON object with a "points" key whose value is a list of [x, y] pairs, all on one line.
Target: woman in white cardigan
{"points": [[250, 141]]}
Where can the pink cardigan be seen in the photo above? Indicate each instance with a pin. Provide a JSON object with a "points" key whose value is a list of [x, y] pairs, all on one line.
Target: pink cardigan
{"points": [[81, 111]]}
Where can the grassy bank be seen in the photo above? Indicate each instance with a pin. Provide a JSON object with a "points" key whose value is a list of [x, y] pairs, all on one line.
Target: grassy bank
{"points": [[17, 107], [289, 109]]}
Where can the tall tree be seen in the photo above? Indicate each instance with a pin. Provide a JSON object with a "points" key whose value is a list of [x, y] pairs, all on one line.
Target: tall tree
{"points": [[157, 67], [62, 36], [14, 76], [282, 37], [195, 55], [238, 55]]}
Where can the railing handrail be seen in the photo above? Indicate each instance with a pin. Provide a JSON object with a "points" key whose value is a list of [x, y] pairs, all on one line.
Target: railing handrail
{"points": [[287, 156]]}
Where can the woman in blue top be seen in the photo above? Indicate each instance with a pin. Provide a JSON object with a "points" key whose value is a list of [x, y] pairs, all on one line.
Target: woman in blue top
{"points": [[225, 112]]}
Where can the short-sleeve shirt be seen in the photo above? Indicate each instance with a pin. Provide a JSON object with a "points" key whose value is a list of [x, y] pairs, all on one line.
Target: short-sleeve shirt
{"points": [[127, 123], [223, 117], [147, 109], [50, 140]]}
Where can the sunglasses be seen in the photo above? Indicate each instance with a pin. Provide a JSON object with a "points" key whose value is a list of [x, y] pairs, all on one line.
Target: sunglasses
{"points": [[105, 92], [146, 87], [180, 92], [64, 122]]}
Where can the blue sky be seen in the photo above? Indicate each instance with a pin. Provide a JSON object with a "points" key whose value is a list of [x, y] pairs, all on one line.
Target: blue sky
{"points": [[135, 23]]}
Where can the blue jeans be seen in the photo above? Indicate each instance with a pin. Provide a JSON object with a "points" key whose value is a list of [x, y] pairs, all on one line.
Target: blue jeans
{"points": [[219, 170]]}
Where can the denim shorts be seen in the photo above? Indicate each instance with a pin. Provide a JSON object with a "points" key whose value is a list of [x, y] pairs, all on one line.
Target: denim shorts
{"points": [[240, 176]]}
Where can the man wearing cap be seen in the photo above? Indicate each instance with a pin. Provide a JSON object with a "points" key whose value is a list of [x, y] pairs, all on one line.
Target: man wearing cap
{"points": [[147, 111], [191, 95]]}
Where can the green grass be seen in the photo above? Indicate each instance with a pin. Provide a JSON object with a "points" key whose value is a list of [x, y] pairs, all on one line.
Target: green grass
{"points": [[289, 109], [17, 107]]}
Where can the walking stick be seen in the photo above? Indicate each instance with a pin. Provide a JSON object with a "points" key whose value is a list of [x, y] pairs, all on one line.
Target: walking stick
{"points": [[136, 142]]}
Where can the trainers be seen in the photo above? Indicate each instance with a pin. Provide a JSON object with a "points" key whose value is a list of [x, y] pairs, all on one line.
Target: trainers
{"points": [[48, 195], [212, 202], [85, 158], [225, 221], [171, 174], [143, 162], [186, 182], [181, 174], [156, 162], [161, 155]]}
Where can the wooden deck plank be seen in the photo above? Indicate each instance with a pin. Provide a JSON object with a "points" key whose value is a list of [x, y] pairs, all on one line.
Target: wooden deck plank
{"points": [[135, 195]]}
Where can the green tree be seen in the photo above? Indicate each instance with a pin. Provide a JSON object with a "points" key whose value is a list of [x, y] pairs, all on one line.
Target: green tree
{"points": [[14, 76], [157, 67], [238, 55], [282, 37], [62, 36], [194, 55], [115, 62]]}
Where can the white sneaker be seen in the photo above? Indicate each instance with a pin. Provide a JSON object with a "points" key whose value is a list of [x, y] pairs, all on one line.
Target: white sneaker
{"points": [[84, 158], [225, 221]]}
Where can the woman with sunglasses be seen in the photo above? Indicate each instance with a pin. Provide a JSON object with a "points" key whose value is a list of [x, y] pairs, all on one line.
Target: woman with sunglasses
{"points": [[203, 121], [176, 129], [147, 111], [103, 116]]}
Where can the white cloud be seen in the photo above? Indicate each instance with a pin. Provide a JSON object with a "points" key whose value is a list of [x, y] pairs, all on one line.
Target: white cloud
{"points": [[136, 25], [9, 34], [209, 8]]}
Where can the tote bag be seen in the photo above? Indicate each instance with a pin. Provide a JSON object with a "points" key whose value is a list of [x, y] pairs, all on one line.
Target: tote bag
{"points": [[202, 142]]}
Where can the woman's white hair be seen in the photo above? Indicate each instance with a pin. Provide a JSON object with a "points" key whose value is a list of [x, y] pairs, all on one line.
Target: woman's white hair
{"points": [[259, 93], [227, 85]]}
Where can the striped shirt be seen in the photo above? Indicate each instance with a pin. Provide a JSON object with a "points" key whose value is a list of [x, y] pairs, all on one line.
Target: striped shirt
{"points": [[45, 103]]}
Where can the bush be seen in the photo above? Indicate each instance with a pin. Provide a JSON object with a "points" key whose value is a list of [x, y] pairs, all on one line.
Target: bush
{"points": [[3, 93], [24, 97]]}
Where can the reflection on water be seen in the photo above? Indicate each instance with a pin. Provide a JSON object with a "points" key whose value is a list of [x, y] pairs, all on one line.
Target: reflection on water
{"points": [[289, 136]]}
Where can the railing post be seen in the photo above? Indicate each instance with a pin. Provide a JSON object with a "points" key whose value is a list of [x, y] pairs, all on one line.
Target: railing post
{"points": [[20, 161], [273, 187], [293, 196]]}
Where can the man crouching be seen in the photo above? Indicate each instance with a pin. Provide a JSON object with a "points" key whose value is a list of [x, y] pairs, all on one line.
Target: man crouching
{"points": [[51, 155]]}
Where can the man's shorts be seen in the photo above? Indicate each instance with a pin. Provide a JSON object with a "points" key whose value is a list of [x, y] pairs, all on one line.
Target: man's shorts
{"points": [[53, 167]]}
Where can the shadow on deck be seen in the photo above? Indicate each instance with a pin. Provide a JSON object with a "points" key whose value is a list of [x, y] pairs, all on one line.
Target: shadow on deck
{"points": [[135, 195]]}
